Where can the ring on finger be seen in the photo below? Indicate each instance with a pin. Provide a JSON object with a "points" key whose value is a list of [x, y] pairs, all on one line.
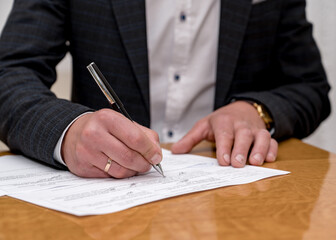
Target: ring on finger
{"points": [[108, 165]]}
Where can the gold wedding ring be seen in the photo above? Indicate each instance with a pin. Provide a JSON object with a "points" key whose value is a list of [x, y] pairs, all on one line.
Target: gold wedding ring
{"points": [[108, 165]]}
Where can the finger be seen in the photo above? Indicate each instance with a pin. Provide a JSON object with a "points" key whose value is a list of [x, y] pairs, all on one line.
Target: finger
{"points": [[117, 171], [90, 171], [242, 143], [110, 168], [122, 155], [224, 137], [83, 167], [273, 151], [198, 133], [154, 136], [131, 135], [101, 166], [91, 141], [260, 147], [224, 143]]}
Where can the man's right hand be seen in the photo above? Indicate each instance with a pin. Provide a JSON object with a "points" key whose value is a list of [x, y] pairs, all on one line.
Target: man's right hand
{"points": [[96, 137]]}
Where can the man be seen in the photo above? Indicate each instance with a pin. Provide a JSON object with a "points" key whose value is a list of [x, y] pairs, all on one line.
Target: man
{"points": [[240, 70]]}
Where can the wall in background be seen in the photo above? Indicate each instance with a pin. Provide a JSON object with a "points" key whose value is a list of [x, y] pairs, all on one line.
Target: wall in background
{"points": [[5, 7], [321, 13]]}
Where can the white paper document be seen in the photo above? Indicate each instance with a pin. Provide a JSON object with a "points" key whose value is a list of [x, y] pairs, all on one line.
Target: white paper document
{"points": [[30, 181]]}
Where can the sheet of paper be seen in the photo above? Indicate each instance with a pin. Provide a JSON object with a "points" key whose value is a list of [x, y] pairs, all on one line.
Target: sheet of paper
{"points": [[21, 174], [64, 192]]}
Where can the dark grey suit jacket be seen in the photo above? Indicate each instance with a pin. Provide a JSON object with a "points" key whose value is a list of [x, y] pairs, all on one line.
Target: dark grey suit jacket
{"points": [[266, 53]]}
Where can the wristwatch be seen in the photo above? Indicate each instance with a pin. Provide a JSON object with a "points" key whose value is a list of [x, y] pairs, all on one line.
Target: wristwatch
{"points": [[264, 115]]}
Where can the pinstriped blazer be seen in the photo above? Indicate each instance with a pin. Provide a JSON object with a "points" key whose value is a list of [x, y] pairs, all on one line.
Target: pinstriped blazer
{"points": [[266, 53]]}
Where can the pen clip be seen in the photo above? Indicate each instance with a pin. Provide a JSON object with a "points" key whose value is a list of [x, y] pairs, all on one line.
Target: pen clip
{"points": [[107, 90], [99, 78]]}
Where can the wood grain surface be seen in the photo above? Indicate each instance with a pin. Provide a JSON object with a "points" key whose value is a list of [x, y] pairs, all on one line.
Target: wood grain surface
{"points": [[301, 205]]}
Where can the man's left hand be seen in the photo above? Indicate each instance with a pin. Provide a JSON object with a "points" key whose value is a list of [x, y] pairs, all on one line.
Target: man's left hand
{"points": [[239, 133]]}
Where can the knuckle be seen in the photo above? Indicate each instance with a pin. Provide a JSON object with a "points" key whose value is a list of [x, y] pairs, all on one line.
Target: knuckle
{"points": [[228, 135], [148, 151], [106, 116], [128, 157], [246, 132], [103, 115], [226, 119], [89, 132], [135, 137], [264, 133], [155, 135]]}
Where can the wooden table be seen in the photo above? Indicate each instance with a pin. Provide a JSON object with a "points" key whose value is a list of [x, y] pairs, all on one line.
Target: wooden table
{"points": [[301, 205]]}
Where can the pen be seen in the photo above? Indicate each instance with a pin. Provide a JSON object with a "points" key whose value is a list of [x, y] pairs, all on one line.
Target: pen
{"points": [[113, 99]]}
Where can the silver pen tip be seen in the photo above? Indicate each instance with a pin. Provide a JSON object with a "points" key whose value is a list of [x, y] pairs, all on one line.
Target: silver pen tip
{"points": [[158, 168]]}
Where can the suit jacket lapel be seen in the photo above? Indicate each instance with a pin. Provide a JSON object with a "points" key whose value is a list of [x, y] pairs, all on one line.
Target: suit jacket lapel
{"points": [[131, 19], [233, 22]]}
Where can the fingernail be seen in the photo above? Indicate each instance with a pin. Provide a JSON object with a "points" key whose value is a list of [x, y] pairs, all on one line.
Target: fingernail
{"points": [[240, 158], [226, 158], [270, 157], [259, 159], [156, 159]]}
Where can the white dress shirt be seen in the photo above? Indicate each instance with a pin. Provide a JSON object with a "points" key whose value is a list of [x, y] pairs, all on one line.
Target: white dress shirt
{"points": [[182, 39], [182, 44]]}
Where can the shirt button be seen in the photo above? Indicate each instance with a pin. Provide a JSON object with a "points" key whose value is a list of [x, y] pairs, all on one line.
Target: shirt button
{"points": [[170, 133], [183, 17], [176, 77]]}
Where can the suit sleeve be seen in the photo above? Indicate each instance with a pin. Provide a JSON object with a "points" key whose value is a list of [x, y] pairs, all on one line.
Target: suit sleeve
{"points": [[299, 103], [33, 42]]}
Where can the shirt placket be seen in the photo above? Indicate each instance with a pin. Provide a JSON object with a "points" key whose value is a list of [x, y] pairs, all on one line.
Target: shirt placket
{"points": [[177, 70]]}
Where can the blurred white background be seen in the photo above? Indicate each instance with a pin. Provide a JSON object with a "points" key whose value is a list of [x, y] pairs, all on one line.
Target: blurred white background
{"points": [[320, 12]]}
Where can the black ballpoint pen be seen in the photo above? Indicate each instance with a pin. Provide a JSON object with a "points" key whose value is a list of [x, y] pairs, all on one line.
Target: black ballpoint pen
{"points": [[112, 97]]}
